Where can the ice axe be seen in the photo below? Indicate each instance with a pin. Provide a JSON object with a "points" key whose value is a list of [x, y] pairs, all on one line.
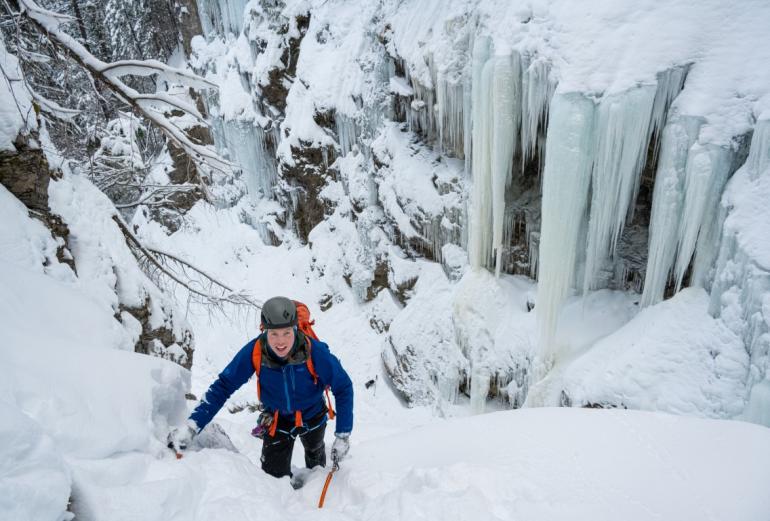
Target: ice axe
{"points": [[335, 468]]}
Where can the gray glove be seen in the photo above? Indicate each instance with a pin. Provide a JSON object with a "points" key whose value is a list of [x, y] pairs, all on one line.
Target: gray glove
{"points": [[341, 446], [179, 438]]}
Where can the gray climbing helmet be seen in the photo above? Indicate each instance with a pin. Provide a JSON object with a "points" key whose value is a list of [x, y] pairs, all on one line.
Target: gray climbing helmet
{"points": [[278, 312]]}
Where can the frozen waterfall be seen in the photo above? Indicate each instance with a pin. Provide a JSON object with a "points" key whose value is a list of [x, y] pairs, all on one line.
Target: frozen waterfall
{"points": [[607, 170], [508, 105], [244, 143], [221, 16], [236, 121]]}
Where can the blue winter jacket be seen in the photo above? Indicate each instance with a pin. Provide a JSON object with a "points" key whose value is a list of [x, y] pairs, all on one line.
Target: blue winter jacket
{"points": [[285, 388]]}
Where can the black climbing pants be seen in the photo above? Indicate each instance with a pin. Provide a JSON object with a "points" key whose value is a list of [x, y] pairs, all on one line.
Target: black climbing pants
{"points": [[277, 450]]}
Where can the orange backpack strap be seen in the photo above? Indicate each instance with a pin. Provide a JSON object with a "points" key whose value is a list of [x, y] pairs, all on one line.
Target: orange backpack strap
{"points": [[310, 366], [274, 425], [329, 404], [256, 359]]}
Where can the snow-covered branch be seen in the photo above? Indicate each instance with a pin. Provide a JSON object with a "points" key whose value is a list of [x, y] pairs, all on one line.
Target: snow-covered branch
{"points": [[154, 67], [149, 105], [160, 196], [158, 264]]}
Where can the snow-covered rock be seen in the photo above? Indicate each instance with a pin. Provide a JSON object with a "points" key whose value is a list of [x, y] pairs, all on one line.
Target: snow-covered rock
{"points": [[35, 482], [671, 357]]}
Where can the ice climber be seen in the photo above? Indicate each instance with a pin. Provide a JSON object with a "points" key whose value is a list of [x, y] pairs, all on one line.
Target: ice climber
{"points": [[293, 371]]}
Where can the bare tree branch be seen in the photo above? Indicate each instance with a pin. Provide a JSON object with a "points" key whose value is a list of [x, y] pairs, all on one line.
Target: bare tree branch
{"points": [[156, 260], [150, 198]]}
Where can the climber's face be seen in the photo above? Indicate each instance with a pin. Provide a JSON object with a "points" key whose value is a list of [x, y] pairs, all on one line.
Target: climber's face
{"points": [[281, 340]]}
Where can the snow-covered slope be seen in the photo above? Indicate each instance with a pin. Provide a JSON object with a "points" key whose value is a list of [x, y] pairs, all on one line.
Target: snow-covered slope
{"points": [[72, 389]]}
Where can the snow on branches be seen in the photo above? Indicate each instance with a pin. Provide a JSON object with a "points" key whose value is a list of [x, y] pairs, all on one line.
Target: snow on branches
{"points": [[153, 106], [161, 265]]}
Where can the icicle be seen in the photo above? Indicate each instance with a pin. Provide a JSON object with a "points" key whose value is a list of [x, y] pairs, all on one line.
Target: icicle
{"points": [[480, 208], [450, 106], [670, 84], [759, 153], [347, 132], [504, 113], [626, 124], [678, 136], [448, 384], [537, 91], [480, 380], [566, 179], [623, 131], [467, 121], [421, 117], [708, 168], [496, 119]]}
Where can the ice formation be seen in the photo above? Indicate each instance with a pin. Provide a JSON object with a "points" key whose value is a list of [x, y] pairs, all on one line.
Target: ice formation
{"points": [[240, 132], [622, 135], [740, 293], [617, 143], [244, 143], [626, 123], [678, 136], [479, 244], [221, 16], [566, 181], [690, 179], [508, 105]]}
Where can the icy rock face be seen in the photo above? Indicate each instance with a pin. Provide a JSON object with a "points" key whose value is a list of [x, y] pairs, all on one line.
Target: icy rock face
{"points": [[257, 96], [109, 272], [420, 354], [446, 347], [420, 192], [740, 294]]}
